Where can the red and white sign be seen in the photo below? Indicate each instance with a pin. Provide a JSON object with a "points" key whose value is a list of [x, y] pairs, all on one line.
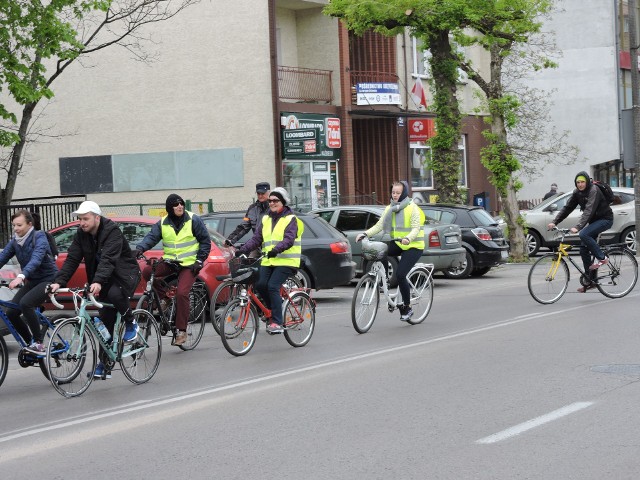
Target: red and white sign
{"points": [[421, 129], [334, 138], [309, 146]]}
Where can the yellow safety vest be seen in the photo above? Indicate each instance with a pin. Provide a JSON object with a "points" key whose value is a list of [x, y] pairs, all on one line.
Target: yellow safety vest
{"points": [[272, 235], [182, 246], [401, 227]]}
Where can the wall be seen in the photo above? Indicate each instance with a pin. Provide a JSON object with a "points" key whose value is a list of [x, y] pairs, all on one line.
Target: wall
{"points": [[209, 89]]}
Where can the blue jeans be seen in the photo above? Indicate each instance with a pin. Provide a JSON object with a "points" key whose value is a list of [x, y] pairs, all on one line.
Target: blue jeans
{"points": [[268, 286], [588, 245]]}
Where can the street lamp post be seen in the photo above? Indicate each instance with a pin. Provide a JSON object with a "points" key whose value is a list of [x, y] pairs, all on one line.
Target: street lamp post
{"points": [[635, 100]]}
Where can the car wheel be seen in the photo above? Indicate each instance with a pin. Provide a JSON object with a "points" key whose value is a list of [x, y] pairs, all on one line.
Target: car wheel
{"points": [[533, 242], [629, 239], [303, 278], [393, 268], [478, 272], [463, 271]]}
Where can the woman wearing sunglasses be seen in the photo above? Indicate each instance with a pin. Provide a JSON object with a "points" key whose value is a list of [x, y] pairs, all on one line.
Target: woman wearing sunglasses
{"points": [[279, 235]]}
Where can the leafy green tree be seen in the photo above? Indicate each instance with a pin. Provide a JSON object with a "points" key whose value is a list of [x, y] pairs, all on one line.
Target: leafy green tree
{"points": [[40, 40], [499, 26], [432, 21]]}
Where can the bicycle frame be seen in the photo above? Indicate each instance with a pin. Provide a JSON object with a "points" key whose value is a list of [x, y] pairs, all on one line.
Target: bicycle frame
{"points": [[81, 300], [378, 270]]}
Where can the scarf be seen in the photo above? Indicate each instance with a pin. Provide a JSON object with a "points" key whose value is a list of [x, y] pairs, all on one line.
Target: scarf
{"points": [[20, 240], [395, 207]]}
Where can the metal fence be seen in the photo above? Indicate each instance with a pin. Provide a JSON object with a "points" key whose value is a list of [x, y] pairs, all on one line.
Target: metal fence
{"points": [[53, 211]]}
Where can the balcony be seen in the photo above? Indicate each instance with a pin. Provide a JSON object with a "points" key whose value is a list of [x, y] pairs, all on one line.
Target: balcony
{"points": [[304, 85]]}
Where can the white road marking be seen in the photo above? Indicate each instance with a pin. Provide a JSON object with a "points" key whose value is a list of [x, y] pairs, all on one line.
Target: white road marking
{"points": [[535, 422], [210, 391]]}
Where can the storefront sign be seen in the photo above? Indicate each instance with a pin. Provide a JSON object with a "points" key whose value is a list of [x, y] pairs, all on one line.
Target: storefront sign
{"points": [[421, 129], [377, 93], [310, 136], [334, 136]]}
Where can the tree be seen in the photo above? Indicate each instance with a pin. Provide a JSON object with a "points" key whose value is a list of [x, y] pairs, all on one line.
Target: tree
{"points": [[498, 27], [432, 22], [40, 40]]}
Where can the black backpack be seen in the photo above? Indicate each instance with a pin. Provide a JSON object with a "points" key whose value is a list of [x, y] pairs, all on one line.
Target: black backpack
{"points": [[607, 193]]}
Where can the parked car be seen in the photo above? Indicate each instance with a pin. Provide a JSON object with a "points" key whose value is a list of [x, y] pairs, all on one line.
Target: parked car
{"points": [[482, 237], [443, 245], [622, 231], [134, 229], [326, 254]]}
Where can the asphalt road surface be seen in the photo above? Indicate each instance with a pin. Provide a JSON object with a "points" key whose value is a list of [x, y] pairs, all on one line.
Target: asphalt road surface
{"points": [[491, 386]]}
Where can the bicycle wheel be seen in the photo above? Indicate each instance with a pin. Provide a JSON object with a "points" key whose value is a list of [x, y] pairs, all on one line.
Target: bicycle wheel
{"points": [[619, 276], [140, 358], [225, 292], [71, 357], [421, 294], [198, 297], [42, 363], [548, 279], [364, 305], [4, 359], [239, 327], [299, 319]]}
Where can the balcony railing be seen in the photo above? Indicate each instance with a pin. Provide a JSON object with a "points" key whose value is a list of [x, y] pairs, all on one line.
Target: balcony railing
{"points": [[361, 76], [304, 84]]}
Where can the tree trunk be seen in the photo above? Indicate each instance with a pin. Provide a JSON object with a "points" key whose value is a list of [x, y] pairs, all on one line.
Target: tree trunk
{"points": [[445, 161]]}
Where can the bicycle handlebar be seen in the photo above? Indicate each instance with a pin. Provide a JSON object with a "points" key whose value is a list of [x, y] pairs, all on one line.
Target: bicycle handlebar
{"points": [[74, 291]]}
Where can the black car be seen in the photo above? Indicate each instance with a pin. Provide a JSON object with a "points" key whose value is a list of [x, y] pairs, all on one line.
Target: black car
{"points": [[482, 237], [326, 253]]}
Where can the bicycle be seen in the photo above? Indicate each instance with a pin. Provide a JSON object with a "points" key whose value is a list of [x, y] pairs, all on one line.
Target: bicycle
{"points": [[165, 312], [239, 320], [76, 351], [228, 290], [366, 295], [25, 358], [549, 275]]}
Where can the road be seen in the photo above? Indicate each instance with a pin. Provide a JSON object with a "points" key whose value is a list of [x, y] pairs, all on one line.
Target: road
{"points": [[491, 386]]}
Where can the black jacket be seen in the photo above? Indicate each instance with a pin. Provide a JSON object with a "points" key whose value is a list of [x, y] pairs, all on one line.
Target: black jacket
{"points": [[108, 258], [592, 203], [251, 220]]}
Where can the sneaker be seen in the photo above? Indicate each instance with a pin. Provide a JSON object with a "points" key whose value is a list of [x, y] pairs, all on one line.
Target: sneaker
{"points": [[274, 328], [100, 372], [36, 347], [585, 288], [405, 313], [181, 337], [598, 263], [130, 331]]}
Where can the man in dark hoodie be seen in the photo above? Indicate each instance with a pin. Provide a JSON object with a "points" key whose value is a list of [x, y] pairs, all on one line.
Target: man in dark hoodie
{"points": [[186, 240], [112, 270], [597, 217]]}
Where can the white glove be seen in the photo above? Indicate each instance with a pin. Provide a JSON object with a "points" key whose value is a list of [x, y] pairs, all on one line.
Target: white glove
{"points": [[360, 237]]}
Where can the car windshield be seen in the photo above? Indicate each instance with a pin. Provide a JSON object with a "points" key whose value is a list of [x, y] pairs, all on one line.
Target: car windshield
{"points": [[482, 218]]}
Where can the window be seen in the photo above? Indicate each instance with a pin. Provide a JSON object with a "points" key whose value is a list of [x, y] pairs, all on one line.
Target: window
{"points": [[355, 220], [420, 59], [422, 176]]}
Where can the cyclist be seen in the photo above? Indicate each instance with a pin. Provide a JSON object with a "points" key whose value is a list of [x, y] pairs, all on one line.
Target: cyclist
{"points": [[112, 270], [401, 219], [279, 234], [253, 216], [31, 248], [597, 217], [186, 240]]}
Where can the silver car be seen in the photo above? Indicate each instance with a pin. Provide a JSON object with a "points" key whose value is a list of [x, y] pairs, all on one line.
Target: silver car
{"points": [[622, 231], [443, 244]]}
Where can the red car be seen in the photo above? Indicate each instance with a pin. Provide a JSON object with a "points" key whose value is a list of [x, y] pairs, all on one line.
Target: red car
{"points": [[134, 229]]}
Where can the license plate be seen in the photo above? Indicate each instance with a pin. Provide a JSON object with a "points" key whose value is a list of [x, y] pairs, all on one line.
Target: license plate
{"points": [[450, 240], [504, 254]]}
